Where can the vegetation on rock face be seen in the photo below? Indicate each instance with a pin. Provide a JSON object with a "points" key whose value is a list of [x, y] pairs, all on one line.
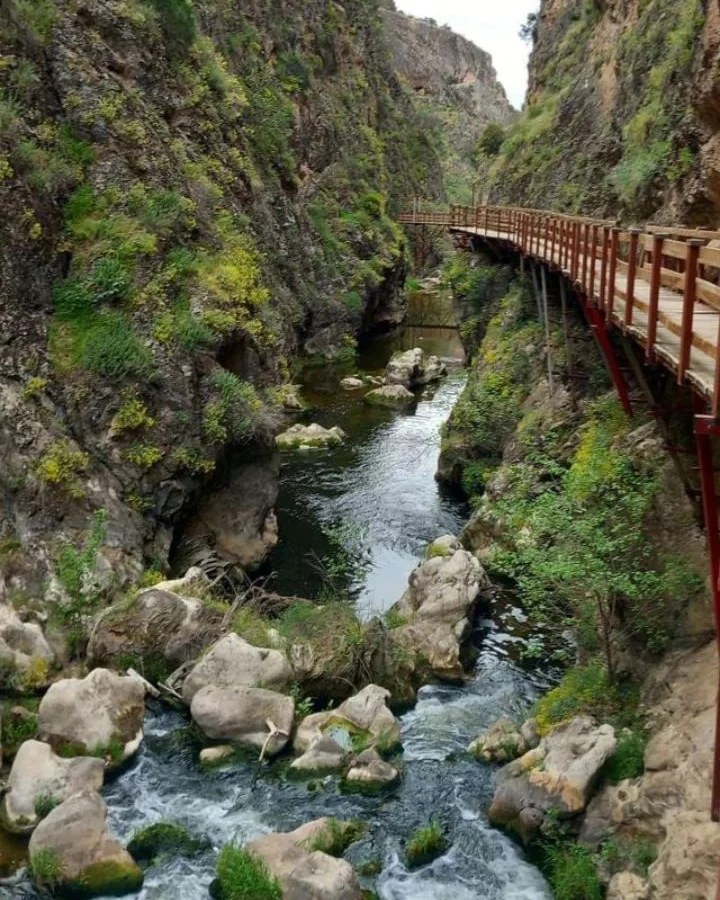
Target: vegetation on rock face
{"points": [[610, 125], [241, 876], [163, 839], [231, 196], [336, 837]]}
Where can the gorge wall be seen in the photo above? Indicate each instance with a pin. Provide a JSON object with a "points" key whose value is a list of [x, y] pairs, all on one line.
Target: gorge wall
{"points": [[622, 113], [191, 195], [455, 89]]}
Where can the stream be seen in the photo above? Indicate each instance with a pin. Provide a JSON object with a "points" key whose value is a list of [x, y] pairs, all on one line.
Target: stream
{"points": [[379, 490]]}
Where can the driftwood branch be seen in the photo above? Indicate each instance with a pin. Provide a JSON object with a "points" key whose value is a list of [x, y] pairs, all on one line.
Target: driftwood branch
{"points": [[149, 688]]}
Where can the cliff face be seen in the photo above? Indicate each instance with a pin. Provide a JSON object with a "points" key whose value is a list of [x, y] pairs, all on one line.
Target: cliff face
{"points": [[455, 84], [623, 112], [191, 193]]}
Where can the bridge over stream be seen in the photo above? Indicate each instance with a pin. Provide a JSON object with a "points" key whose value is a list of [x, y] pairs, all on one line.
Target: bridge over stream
{"points": [[657, 287]]}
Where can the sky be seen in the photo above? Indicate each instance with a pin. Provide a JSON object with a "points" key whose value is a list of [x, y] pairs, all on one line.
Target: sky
{"points": [[492, 25]]}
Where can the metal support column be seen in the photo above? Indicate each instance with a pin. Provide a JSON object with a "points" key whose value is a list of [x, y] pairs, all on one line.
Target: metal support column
{"points": [[596, 320]]}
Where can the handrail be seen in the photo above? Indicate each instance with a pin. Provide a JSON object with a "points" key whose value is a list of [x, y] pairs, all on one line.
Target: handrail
{"points": [[660, 284]]}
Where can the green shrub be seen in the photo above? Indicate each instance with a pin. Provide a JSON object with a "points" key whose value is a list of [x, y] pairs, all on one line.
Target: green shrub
{"points": [[163, 839], [336, 837], [634, 854], [179, 26], [111, 348], [132, 415], [572, 873], [425, 844], [233, 412], [45, 804], [46, 869], [628, 761], [241, 876], [145, 456], [61, 465], [583, 690], [491, 140]]}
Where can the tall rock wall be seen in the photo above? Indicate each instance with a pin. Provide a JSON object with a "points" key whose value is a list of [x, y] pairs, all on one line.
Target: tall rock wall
{"points": [[191, 194], [622, 115], [454, 83]]}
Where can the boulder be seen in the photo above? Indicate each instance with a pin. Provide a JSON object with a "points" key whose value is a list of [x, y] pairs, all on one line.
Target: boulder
{"points": [[628, 886], [390, 395], [559, 774], [432, 649], [39, 777], [99, 713], [365, 717], [324, 755], [305, 874], [500, 743], [90, 861], [23, 647], [443, 588], [233, 662], [310, 437], [164, 623], [352, 384], [369, 769], [240, 715], [435, 369], [406, 368]]}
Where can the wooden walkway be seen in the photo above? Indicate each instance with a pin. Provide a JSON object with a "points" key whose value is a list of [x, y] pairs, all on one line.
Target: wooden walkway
{"points": [[659, 286]]}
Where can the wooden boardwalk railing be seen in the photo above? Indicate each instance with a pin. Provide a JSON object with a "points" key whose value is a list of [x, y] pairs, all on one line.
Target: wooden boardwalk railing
{"points": [[661, 286]]}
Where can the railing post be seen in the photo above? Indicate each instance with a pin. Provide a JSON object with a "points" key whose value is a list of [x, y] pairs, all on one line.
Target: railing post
{"points": [[593, 261], [632, 269], [657, 261], [604, 266], [576, 251], [692, 255], [585, 251], [612, 273]]}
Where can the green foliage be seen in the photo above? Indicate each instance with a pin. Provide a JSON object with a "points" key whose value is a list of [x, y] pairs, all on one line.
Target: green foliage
{"points": [[163, 839], [336, 837], [46, 869], [45, 804], [132, 415], [233, 412], [144, 455], [628, 761], [241, 876], [491, 140], [75, 568], [628, 854], [582, 690], [15, 730], [61, 465], [34, 387], [572, 872], [251, 626], [425, 844], [177, 18]]}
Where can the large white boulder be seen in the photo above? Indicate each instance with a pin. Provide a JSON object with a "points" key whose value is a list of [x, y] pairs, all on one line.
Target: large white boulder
{"points": [[242, 715], [369, 769], [559, 774], [305, 874], [390, 395], [406, 368], [233, 662], [90, 861], [310, 437], [101, 712], [39, 776]]}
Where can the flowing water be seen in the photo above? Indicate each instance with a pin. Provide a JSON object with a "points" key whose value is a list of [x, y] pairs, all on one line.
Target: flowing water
{"points": [[380, 483]]}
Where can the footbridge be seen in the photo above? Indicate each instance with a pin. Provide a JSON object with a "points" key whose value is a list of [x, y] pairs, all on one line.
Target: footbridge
{"points": [[657, 287]]}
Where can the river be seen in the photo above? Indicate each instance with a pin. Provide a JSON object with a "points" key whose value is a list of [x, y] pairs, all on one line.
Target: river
{"points": [[380, 490]]}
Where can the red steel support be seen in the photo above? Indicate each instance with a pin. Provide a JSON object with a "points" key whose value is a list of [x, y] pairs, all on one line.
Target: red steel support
{"points": [[596, 320], [705, 427]]}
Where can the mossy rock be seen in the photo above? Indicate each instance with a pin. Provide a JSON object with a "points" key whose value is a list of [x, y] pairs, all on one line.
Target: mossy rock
{"points": [[112, 878], [164, 839]]}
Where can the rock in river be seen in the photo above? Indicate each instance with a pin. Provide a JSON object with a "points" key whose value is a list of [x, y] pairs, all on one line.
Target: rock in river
{"points": [[73, 841], [98, 713], [390, 395], [366, 714], [410, 369], [39, 775], [559, 774], [242, 715], [233, 662], [309, 437], [305, 874]]}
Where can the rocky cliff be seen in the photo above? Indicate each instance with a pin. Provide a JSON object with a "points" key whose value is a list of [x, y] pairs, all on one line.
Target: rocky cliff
{"points": [[622, 113], [191, 195], [456, 88]]}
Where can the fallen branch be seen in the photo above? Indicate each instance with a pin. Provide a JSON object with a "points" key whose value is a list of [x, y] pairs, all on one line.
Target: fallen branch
{"points": [[149, 688], [273, 732]]}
